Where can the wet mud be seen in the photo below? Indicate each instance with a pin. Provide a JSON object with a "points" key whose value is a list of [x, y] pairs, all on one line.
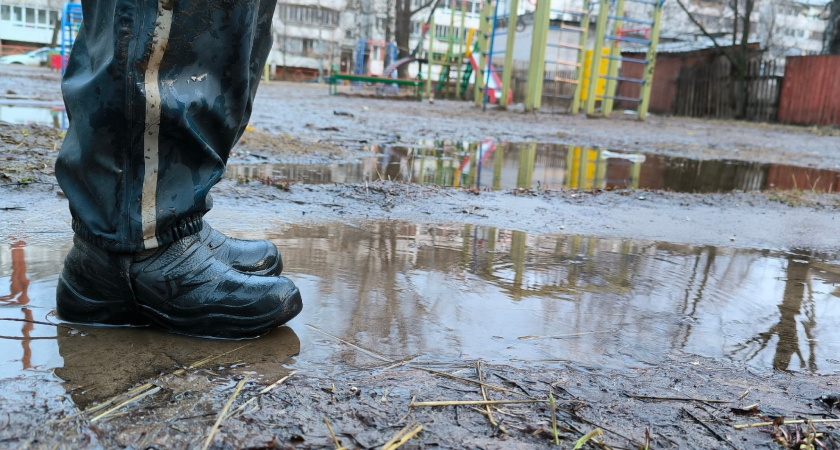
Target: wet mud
{"points": [[663, 291], [627, 335]]}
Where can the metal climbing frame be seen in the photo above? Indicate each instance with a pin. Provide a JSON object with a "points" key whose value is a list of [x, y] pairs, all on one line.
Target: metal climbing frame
{"points": [[359, 63], [456, 47], [71, 20], [571, 53], [489, 22], [611, 13]]}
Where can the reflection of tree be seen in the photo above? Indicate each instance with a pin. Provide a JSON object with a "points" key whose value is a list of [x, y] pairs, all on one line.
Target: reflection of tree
{"points": [[786, 328]]}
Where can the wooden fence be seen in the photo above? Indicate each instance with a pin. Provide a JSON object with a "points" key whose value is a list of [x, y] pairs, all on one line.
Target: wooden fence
{"points": [[811, 95], [710, 91]]}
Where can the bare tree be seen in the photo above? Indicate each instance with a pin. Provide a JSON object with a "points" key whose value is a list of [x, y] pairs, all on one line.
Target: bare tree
{"points": [[403, 13], [831, 39], [738, 53]]}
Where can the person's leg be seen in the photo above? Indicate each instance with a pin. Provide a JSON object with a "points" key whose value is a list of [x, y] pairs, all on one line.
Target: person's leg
{"points": [[158, 92]]}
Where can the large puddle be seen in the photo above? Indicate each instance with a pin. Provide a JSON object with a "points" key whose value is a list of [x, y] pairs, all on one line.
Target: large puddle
{"points": [[506, 166], [451, 294]]}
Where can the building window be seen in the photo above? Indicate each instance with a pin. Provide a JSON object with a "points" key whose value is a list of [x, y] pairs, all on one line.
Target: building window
{"points": [[5, 12], [30, 15], [42, 16], [17, 14], [309, 15], [53, 18]]}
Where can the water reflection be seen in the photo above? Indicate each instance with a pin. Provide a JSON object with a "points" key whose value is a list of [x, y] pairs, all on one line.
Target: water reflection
{"points": [[499, 166], [456, 293], [38, 115]]}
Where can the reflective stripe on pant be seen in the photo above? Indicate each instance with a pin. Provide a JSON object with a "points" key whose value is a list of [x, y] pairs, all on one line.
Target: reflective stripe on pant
{"points": [[158, 92]]}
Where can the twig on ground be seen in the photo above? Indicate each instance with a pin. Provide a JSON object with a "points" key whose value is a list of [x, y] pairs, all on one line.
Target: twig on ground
{"points": [[786, 422], [402, 437], [708, 428], [335, 439], [472, 402], [676, 399]]}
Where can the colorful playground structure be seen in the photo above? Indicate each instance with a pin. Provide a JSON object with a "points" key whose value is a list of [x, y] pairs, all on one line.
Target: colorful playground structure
{"points": [[576, 49]]}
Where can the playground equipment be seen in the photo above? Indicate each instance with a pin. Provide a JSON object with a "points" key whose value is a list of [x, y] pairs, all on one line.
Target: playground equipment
{"points": [[612, 13], [453, 58], [493, 88], [581, 69], [71, 21]]}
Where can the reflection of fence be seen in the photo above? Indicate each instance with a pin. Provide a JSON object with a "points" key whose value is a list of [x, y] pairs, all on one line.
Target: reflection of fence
{"points": [[811, 95]]}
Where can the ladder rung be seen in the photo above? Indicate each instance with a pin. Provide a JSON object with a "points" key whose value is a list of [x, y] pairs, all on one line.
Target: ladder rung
{"points": [[566, 80], [625, 99], [567, 63], [627, 19], [576, 12], [626, 39], [577, 47], [629, 80], [627, 60], [569, 97]]}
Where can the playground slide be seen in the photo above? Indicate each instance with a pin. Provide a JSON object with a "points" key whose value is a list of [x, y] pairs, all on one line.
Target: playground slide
{"points": [[494, 84], [389, 71]]}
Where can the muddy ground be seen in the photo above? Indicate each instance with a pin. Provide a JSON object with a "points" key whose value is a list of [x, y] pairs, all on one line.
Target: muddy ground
{"points": [[685, 401]]}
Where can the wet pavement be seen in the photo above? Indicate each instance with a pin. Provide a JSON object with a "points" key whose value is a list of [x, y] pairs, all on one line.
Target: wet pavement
{"points": [[444, 295], [504, 166]]}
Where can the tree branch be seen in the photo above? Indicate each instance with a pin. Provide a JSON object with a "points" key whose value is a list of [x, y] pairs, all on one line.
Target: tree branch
{"points": [[707, 34], [421, 7]]}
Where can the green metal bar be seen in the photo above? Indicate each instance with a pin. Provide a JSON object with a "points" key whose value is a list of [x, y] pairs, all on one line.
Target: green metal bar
{"points": [[536, 68], [462, 48], [430, 55], [612, 67], [600, 32], [481, 39], [584, 36], [450, 46], [507, 72], [651, 62]]}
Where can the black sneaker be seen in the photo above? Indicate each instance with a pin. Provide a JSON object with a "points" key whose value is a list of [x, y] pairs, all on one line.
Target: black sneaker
{"points": [[256, 257], [180, 288]]}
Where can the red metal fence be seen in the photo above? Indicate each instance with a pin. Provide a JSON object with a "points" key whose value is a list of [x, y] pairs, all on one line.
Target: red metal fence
{"points": [[811, 91]]}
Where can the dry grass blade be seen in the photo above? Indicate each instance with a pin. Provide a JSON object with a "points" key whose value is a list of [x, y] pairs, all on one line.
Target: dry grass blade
{"points": [[363, 350], [399, 435], [109, 402], [553, 406], [209, 359], [676, 399], [131, 400], [277, 383], [224, 413], [335, 439], [407, 437], [786, 422], [478, 383], [484, 396], [471, 402]]}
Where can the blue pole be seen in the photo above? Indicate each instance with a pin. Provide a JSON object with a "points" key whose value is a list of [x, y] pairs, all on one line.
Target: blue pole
{"points": [[490, 56]]}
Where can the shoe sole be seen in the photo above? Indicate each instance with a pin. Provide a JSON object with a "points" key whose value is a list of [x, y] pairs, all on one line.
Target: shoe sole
{"points": [[227, 326]]}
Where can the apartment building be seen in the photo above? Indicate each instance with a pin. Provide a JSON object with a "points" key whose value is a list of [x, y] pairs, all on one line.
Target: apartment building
{"points": [[28, 23]]}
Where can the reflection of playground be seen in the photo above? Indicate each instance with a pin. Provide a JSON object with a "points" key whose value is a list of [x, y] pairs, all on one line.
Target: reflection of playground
{"points": [[410, 290], [506, 166]]}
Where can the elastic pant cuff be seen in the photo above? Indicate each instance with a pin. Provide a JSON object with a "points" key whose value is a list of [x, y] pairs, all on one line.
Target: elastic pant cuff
{"points": [[187, 227]]}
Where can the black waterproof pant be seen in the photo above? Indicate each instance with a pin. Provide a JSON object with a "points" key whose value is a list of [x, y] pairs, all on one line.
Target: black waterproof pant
{"points": [[157, 92]]}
